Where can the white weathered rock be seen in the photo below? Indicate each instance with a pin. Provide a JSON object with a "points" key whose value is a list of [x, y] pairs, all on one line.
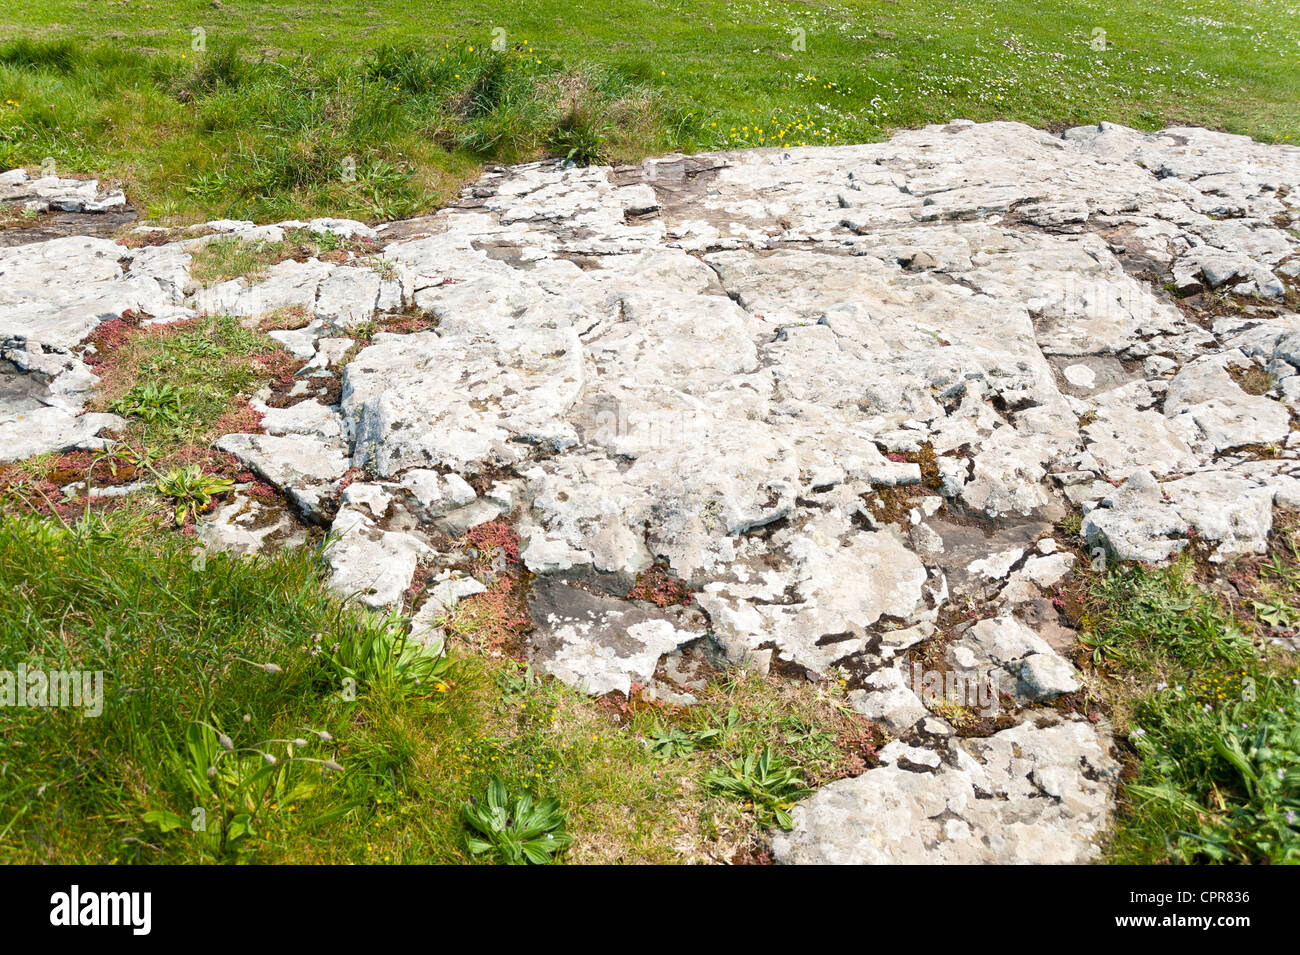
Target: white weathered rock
{"points": [[371, 564], [246, 526], [887, 699], [52, 193], [1025, 795], [57, 292], [305, 418], [304, 467], [44, 429], [1136, 523], [1204, 394], [601, 644]]}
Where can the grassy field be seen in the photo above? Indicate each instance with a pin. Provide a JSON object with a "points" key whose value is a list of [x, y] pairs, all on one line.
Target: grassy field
{"points": [[262, 119], [249, 716]]}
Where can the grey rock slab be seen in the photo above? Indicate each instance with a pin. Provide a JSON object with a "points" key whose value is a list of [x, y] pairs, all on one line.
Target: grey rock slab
{"points": [[287, 284], [1230, 509], [57, 292], [1205, 395], [499, 398], [1015, 658], [820, 609], [43, 429], [310, 418], [286, 460], [304, 467], [248, 526], [599, 643], [349, 296], [1122, 440], [1026, 795], [888, 699], [369, 563], [50, 192], [1136, 523]]}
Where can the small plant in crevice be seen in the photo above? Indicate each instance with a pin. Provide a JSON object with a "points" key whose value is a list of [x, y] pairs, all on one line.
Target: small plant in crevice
{"points": [[191, 490], [766, 780], [497, 618], [658, 586], [492, 546], [513, 829], [154, 403]]}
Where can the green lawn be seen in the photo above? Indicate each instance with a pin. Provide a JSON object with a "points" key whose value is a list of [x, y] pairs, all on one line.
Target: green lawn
{"points": [[643, 77], [236, 710]]}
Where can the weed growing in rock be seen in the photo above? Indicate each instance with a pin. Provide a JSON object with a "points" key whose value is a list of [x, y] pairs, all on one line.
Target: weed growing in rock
{"points": [[191, 491], [764, 780]]}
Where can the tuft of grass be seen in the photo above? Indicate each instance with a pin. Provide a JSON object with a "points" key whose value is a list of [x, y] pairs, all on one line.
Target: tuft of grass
{"points": [[219, 260], [1253, 379], [1160, 622], [177, 384]]}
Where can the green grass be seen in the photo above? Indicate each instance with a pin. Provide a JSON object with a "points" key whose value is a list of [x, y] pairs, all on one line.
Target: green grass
{"points": [[174, 384], [1161, 622], [377, 137], [415, 95], [210, 667], [1218, 773], [222, 259], [1209, 709]]}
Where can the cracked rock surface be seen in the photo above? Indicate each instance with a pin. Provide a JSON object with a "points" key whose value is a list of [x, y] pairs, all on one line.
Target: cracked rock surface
{"points": [[835, 391]]}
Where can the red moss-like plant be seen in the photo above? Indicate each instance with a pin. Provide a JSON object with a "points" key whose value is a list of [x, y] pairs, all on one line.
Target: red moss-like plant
{"points": [[240, 418], [108, 337], [488, 539], [497, 618], [858, 743], [279, 365], [656, 585], [407, 324]]}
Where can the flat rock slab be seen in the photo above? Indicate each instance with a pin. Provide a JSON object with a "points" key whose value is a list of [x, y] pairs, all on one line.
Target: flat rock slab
{"points": [[601, 644], [1025, 795]]}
